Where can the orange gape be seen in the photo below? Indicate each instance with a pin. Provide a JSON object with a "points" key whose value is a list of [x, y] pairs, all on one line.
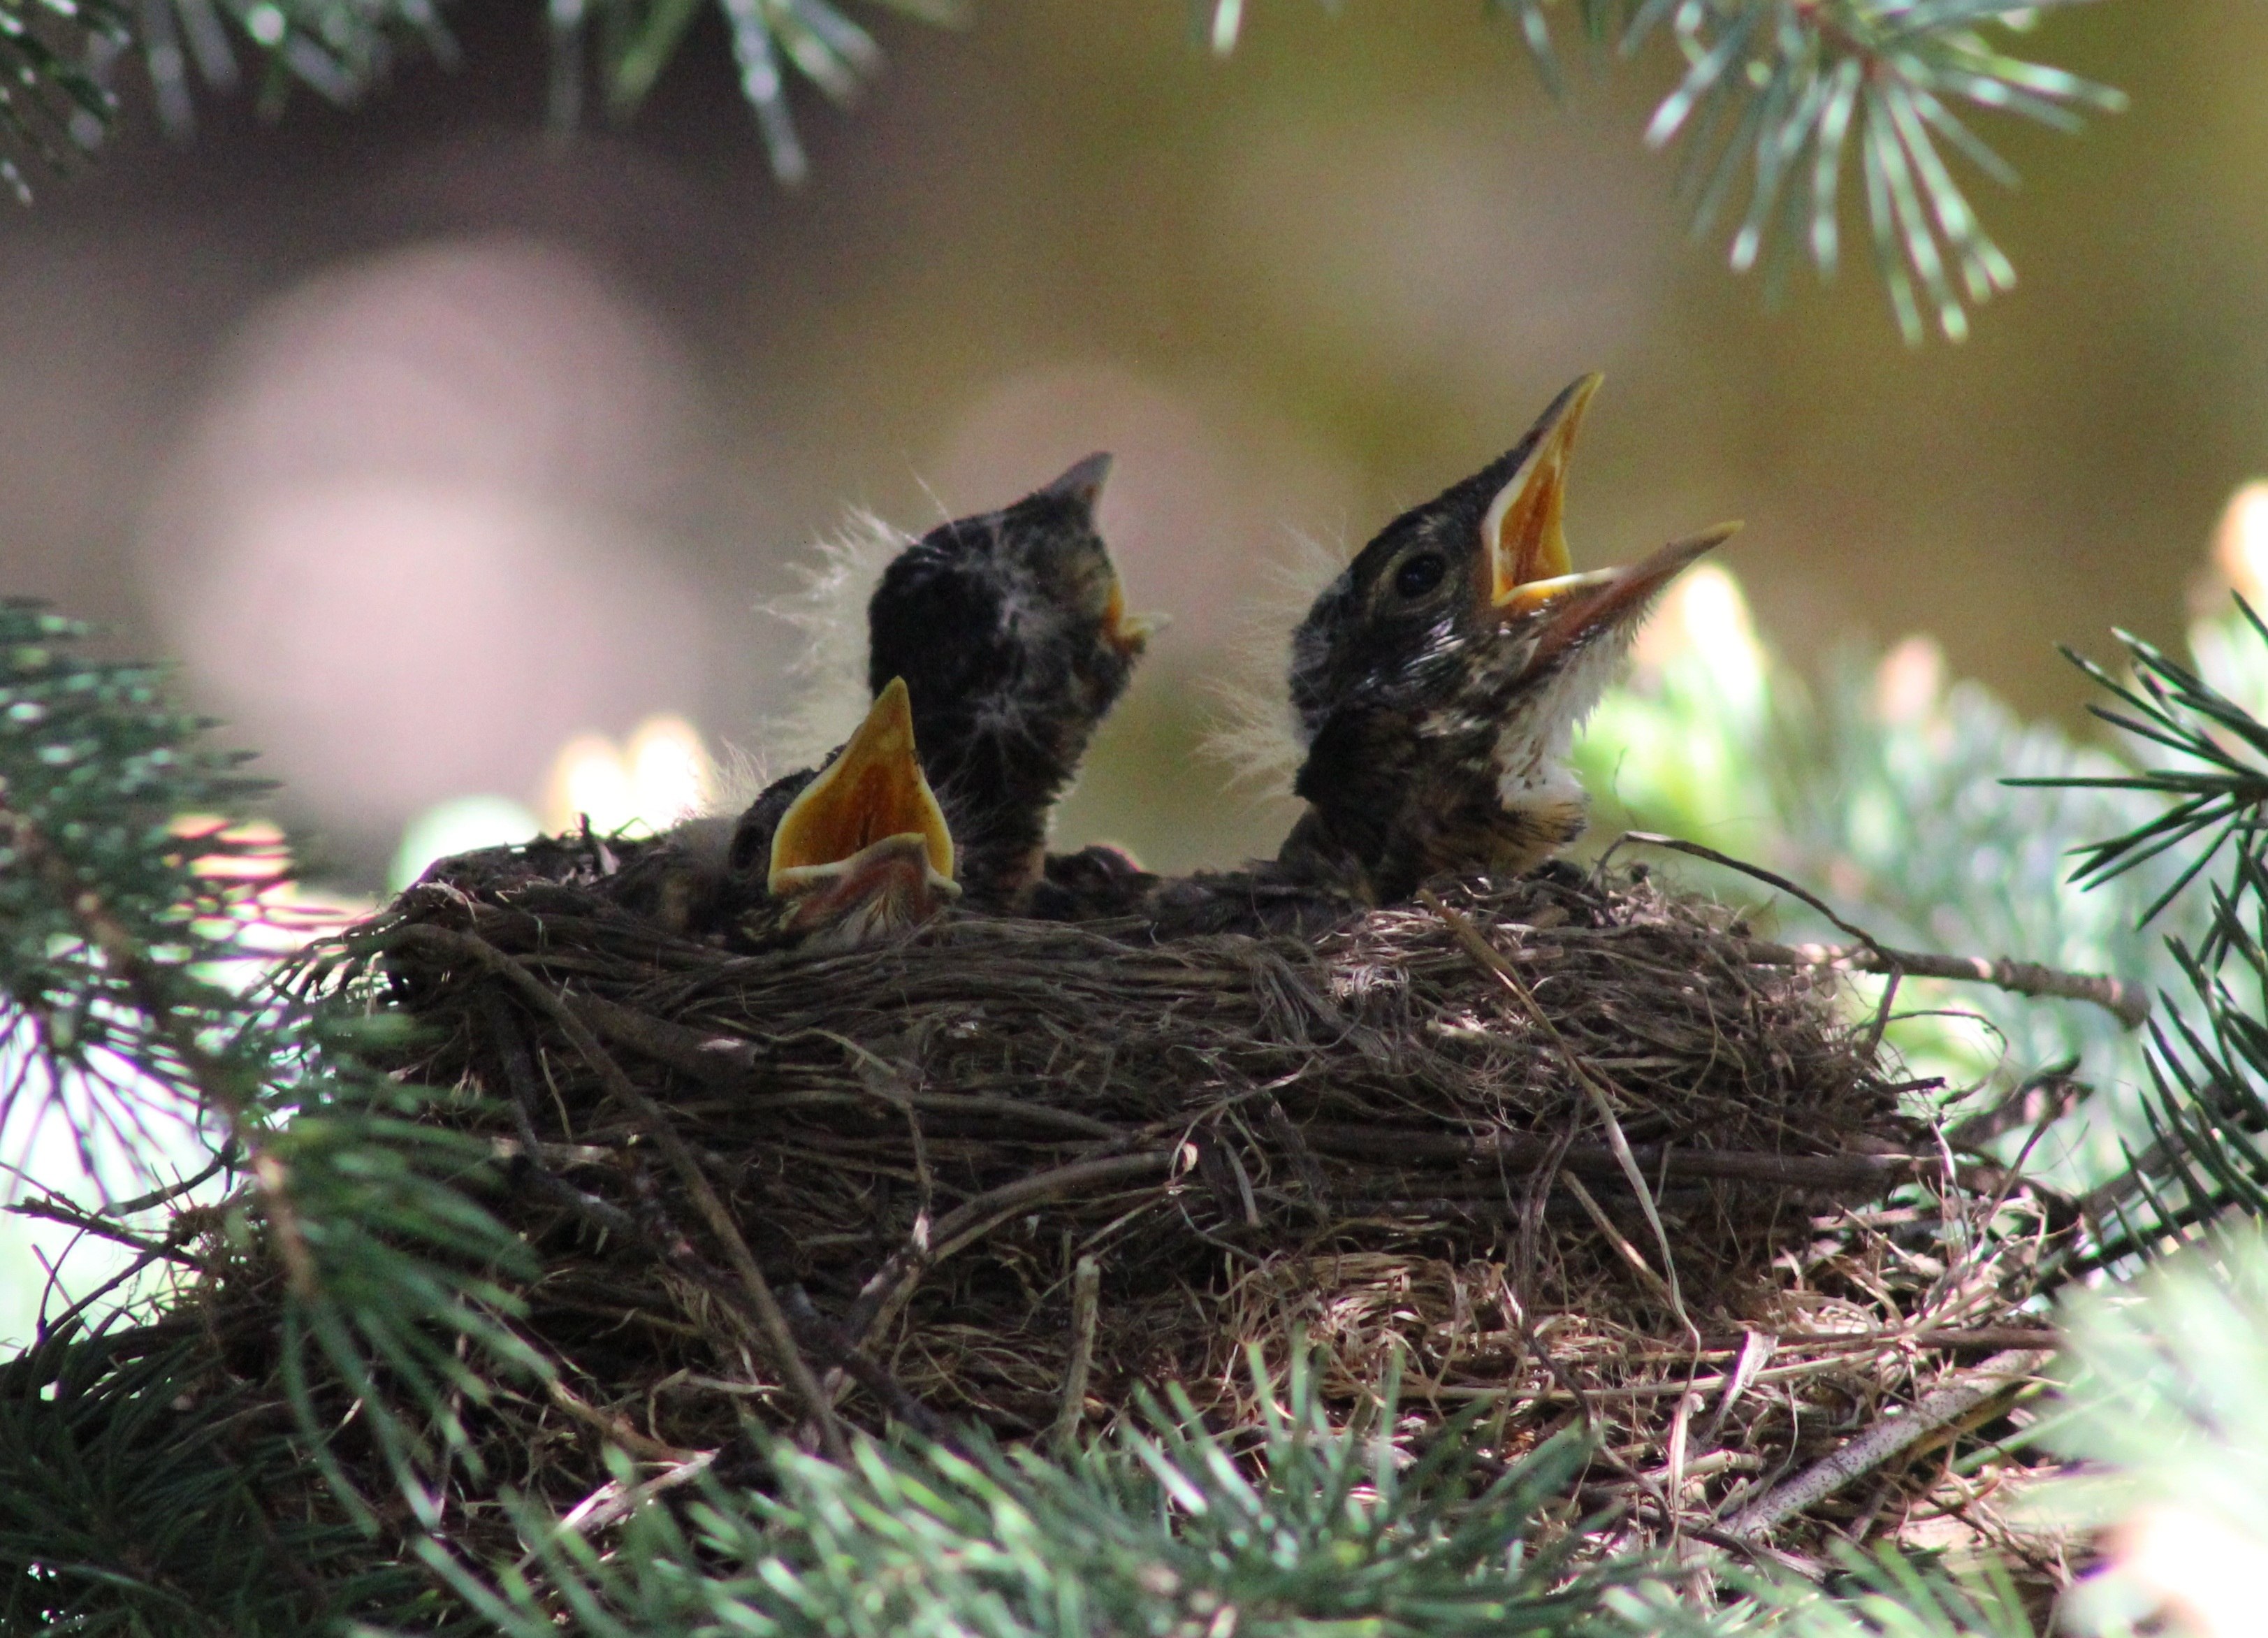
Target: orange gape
{"points": [[873, 790], [1524, 533], [874, 808]]}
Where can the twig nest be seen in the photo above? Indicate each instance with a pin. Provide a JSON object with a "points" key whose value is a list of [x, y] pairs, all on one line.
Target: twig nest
{"points": [[920, 1140], [1572, 1149]]}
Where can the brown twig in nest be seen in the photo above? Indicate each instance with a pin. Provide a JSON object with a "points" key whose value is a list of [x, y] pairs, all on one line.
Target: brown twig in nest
{"points": [[1602, 1100], [2127, 1002], [1958, 1397]]}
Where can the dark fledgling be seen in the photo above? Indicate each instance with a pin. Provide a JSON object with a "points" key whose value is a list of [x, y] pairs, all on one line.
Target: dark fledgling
{"points": [[856, 850], [1011, 632], [826, 858], [1438, 682]]}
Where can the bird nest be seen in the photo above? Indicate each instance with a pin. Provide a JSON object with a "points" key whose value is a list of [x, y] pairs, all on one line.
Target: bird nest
{"points": [[1574, 1147], [1566, 1145]]}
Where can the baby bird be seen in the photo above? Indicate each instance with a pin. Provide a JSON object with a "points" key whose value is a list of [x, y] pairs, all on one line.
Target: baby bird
{"points": [[826, 858], [1438, 682], [995, 644], [1012, 630], [851, 852]]}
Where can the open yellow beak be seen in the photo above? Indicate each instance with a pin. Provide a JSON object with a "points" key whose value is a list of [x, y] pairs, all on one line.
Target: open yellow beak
{"points": [[869, 807], [1524, 541], [1576, 605]]}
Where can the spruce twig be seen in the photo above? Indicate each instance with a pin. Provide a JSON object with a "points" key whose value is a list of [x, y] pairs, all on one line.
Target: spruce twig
{"points": [[1863, 1453], [2129, 1003]]}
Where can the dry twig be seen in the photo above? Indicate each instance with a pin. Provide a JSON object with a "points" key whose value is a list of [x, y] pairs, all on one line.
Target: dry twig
{"points": [[1957, 1398]]}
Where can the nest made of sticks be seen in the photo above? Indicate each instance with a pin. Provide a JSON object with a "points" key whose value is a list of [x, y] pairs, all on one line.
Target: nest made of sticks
{"points": [[1564, 1144]]}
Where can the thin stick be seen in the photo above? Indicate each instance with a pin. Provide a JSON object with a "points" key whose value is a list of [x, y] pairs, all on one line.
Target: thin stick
{"points": [[831, 1345], [1492, 958], [1769, 878], [1615, 1236], [888, 1289], [612, 1425], [56, 1209], [2129, 1003], [1513, 1152], [1085, 1304], [171, 1191], [601, 1214], [1929, 1336], [611, 1501], [1861, 1454], [770, 1320], [55, 1327]]}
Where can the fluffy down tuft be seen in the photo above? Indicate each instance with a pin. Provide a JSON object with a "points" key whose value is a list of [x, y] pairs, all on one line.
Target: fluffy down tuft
{"points": [[1254, 732], [830, 611]]}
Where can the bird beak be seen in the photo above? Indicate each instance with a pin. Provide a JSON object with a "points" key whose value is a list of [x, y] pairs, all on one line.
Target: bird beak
{"points": [[1522, 541], [867, 832], [1578, 607], [1129, 633]]}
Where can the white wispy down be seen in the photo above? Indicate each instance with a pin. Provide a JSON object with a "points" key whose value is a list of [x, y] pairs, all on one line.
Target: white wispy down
{"points": [[1253, 731], [828, 674]]}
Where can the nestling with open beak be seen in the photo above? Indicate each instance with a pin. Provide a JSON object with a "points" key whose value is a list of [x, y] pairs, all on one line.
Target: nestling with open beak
{"points": [[827, 858], [995, 644], [1012, 630], [1438, 682], [856, 851]]}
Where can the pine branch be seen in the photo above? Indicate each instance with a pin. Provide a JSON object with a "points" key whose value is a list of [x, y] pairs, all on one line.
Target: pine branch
{"points": [[2215, 789], [339, 49], [638, 39], [1775, 99], [62, 60], [114, 913], [1167, 1529], [53, 102], [1781, 93], [119, 918], [2206, 1105], [133, 1499], [1885, 1594]]}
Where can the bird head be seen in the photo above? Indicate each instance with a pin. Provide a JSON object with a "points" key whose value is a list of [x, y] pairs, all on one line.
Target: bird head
{"points": [[863, 849], [1012, 628], [1399, 625], [1460, 650], [1017, 615], [1469, 604]]}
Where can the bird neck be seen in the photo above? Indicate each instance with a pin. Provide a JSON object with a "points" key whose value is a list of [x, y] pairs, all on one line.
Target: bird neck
{"points": [[1475, 779]]}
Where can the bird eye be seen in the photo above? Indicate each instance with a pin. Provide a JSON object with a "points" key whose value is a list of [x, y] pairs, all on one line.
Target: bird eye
{"points": [[1420, 574]]}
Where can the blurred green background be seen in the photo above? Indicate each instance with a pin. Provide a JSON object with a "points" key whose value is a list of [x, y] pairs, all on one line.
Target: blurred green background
{"points": [[429, 439]]}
